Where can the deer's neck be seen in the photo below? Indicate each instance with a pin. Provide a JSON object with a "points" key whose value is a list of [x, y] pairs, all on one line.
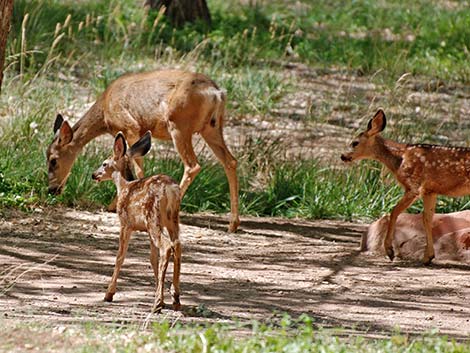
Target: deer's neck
{"points": [[90, 126], [120, 182], [390, 153]]}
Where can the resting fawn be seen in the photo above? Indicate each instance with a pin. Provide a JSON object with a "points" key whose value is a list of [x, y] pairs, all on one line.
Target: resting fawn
{"points": [[422, 170], [148, 204]]}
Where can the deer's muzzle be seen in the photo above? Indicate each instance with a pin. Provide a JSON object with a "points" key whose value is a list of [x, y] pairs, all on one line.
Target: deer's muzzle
{"points": [[345, 158]]}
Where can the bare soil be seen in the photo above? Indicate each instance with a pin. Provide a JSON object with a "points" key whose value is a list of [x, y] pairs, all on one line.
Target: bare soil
{"points": [[55, 266]]}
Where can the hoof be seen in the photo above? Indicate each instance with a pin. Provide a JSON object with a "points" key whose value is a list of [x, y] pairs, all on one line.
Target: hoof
{"points": [[108, 297], [177, 306], [157, 308], [428, 260], [390, 253], [233, 226]]}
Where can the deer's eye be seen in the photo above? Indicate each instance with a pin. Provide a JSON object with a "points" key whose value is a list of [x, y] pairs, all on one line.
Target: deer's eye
{"points": [[53, 162], [354, 144]]}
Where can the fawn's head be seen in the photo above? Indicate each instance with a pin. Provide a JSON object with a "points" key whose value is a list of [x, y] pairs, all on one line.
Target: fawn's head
{"points": [[60, 155], [364, 145], [122, 158]]}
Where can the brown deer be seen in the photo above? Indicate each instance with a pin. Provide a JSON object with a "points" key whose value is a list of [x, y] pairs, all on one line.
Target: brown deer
{"points": [[422, 170], [171, 104], [149, 205]]}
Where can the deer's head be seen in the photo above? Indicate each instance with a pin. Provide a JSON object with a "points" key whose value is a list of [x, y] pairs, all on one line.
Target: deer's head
{"points": [[122, 158], [364, 145], [60, 155]]}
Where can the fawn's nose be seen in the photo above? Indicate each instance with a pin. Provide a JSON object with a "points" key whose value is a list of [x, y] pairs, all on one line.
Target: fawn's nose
{"points": [[94, 176], [345, 158]]}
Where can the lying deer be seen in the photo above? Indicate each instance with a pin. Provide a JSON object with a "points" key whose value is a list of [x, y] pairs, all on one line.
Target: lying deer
{"points": [[171, 104], [422, 170], [149, 205]]}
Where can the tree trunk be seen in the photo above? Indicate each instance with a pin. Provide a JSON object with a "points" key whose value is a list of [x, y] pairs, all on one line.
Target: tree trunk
{"points": [[182, 11], [6, 10]]}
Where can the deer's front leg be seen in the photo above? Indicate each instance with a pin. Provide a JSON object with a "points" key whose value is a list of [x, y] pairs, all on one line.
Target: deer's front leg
{"points": [[406, 201], [429, 201], [123, 246]]}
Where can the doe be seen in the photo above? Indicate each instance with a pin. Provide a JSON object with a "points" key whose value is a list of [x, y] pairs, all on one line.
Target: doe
{"points": [[422, 170], [150, 204]]}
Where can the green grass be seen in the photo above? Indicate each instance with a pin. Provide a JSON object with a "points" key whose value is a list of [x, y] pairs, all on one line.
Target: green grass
{"points": [[63, 52], [289, 336]]}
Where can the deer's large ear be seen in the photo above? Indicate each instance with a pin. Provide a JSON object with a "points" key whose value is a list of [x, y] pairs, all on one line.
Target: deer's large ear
{"points": [[120, 146], [65, 134], [141, 147], [58, 122], [377, 123]]}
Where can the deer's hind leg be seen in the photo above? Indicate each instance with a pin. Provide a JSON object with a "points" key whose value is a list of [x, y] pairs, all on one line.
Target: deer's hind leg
{"points": [[429, 201], [215, 140], [182, 139]]}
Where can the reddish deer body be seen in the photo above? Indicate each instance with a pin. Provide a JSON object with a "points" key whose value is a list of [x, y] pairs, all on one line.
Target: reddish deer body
{"points": [[422, 170], [171, 104], [149, 205]]}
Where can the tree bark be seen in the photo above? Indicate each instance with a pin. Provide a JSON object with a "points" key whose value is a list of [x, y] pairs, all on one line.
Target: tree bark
{"points": [[182, 11], [6, 10]]}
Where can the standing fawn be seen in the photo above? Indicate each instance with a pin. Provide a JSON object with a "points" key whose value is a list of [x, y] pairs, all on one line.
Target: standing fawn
{"points": [[422, 170], [149, 205], [173, 105]]}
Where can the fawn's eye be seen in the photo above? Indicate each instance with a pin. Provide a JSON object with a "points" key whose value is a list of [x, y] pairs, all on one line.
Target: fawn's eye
{"points": [[354, 144], [53, 162]]}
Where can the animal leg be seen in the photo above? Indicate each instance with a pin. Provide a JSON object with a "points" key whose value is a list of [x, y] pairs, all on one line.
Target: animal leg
{"points": [[429, 201], [215, 140], [406, 201], [123, 246]]}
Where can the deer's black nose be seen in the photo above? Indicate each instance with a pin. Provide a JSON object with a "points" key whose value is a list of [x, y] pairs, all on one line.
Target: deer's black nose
{"points": [[346, 158]]}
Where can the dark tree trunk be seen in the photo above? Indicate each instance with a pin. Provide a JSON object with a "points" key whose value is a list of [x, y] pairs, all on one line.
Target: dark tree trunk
{"points": [[182, 11], [6, 9]]}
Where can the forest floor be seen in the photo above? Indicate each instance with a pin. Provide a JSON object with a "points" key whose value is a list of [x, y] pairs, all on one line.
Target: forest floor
{"points": [[55, 265]]}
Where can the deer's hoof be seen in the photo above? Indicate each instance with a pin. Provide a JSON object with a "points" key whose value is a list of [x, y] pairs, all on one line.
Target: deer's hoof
{"points": [[233, 226], [428, 260], [177, 306], [157, 308], [108, 297], [390, 253]]}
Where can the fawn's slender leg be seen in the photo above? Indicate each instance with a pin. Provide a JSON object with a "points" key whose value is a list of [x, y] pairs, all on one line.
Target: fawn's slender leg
{"points": [[429, 201], [406, 201], [154, 259], [215, 139], [165, 253], [123, 246], [175, 287]]}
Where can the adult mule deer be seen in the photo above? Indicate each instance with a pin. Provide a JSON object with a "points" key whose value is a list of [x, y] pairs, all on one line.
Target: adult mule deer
{"points": [[171, 104], [151, 204], [422, 170]]}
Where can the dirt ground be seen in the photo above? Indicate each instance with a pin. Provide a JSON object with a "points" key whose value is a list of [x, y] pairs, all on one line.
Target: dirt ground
{"points": [[55, 266]]}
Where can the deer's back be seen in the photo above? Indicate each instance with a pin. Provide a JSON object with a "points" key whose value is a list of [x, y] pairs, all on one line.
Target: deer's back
{"points": [[438, 169], [148, 199], [150, 100]]}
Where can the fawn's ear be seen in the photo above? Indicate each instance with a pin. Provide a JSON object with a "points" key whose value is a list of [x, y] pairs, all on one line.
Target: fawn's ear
{"points": [[120, 146], [58, 122], [141, 147], [377, 123], [65, 133]]}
